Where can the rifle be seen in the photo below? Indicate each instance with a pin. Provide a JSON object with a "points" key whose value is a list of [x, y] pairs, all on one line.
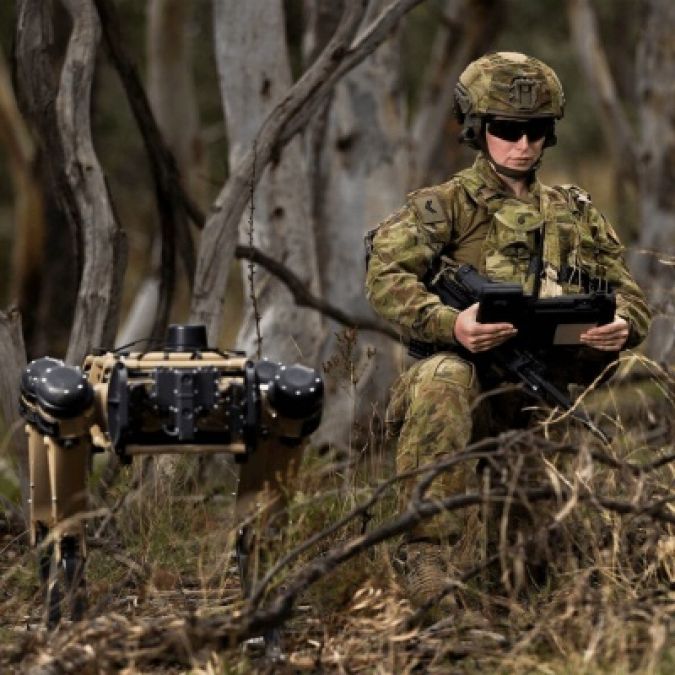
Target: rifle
{"points": [[551, 317]]}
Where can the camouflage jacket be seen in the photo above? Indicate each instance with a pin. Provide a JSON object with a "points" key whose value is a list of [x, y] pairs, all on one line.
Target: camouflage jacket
{"points": [[474, 218]]}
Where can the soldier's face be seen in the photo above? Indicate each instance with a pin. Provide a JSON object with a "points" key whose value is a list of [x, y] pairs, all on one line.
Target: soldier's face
{"points": [[520, 154]]}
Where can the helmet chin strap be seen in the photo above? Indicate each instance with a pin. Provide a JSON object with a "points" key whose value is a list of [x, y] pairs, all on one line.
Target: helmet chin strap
{"points": [[513, 173]]}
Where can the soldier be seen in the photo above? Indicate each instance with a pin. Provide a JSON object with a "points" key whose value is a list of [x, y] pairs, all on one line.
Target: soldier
{"points": [[500, 218]]}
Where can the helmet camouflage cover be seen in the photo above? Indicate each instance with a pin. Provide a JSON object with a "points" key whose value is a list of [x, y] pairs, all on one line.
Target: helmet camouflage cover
{"points": [[510, 85]]}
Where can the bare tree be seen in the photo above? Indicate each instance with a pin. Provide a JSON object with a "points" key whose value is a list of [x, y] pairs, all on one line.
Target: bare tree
{"points": [[288, 117], [363, 177], [280, 219], [66, 134], [173, 98], [595, 66], [643, 159]]}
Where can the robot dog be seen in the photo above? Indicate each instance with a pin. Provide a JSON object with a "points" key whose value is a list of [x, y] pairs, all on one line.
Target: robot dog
{"points": [[186, 397]]}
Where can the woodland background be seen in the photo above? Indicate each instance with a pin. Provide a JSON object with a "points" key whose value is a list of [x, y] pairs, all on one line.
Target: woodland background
{"points": [[150, 150]]}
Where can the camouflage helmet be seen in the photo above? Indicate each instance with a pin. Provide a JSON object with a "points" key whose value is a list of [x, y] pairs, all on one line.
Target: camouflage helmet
{"points": [[506, 85]]}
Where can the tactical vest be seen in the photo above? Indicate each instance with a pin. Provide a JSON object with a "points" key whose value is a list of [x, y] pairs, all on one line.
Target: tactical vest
{"points": [[550, 250]]}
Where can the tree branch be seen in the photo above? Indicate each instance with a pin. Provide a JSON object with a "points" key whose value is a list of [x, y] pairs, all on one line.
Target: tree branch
{"points": [[62, 116], [288, 117], [176, 639], [173, 202], [304, 298]]}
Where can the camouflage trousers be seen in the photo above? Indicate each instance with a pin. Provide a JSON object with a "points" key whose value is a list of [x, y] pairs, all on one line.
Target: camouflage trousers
{"points": [[430, 412], [436, 410]]}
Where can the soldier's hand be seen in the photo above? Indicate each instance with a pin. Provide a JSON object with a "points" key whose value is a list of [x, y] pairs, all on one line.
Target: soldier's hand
{"points": [[608, 338], [479, 337]]}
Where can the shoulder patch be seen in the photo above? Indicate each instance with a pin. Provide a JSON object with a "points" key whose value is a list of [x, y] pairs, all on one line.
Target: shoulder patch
{"points": [[429, 208]]}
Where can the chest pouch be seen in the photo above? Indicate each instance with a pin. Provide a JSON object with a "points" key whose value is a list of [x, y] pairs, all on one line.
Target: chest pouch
{"points": [[513, 243]]}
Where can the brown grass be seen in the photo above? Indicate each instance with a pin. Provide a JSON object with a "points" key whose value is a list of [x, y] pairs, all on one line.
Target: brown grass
{"points": [[578, 576]]}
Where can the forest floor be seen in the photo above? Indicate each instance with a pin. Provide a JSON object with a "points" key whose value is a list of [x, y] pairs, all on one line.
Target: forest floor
{"points": [[164, 591]]}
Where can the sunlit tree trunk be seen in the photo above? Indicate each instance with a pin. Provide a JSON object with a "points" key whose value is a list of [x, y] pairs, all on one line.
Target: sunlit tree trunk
{"points": [[363, 178], [254, 72]]}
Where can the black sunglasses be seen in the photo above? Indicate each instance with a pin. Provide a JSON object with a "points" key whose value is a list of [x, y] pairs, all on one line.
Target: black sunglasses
{"points": [[513, 130]]}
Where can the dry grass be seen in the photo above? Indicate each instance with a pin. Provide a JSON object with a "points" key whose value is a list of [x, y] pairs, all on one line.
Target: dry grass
{"points": [[579, 577]]}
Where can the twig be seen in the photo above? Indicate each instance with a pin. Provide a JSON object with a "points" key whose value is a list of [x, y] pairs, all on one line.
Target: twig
{"points": [[251, 264], [474, 453]]}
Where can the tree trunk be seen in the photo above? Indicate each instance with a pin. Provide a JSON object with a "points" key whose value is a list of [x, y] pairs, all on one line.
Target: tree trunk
{"points": [[62, 116], [38, 49], [364, 177], [595, 66], [656, 87], [29, 216], [97, 309], [12, 364], [173, 98], [619, 136], [289, 117], [172, 89], [254, 73]]}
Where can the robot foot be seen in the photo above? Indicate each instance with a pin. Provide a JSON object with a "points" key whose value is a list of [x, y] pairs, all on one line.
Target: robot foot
{"points": [[63, 580]]}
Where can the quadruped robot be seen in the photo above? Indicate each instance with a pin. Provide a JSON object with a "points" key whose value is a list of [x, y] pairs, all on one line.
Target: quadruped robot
{"points": [[184, 397]]}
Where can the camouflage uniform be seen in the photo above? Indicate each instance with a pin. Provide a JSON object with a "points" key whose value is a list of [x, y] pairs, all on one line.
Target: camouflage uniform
{"points": [[436, 406], [474, 218]]}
